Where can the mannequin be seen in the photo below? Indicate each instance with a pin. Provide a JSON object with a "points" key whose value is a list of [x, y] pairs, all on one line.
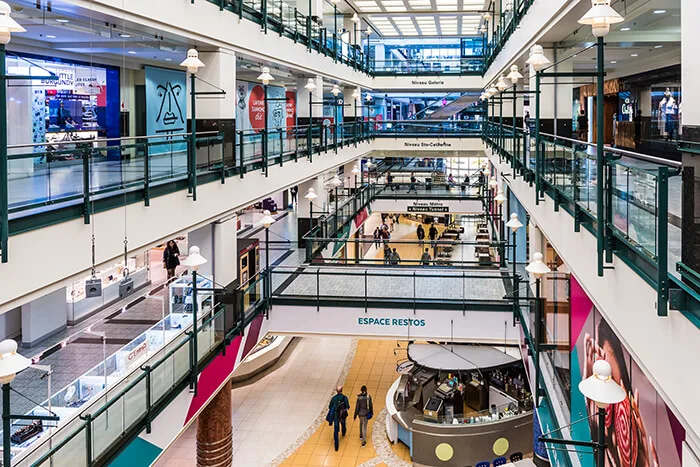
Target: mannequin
{"points": [[668, 115]]}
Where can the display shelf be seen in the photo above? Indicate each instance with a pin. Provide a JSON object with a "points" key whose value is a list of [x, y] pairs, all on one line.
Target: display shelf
{"points": [[181, 295]]}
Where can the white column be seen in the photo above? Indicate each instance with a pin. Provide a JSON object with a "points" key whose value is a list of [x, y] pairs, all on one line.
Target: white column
{"points": [[555, 100], [220, 70], [303, 98], [349, 176], [349, 107]]}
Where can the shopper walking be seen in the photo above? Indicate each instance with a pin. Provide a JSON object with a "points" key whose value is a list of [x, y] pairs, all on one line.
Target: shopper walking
{"points": [[338, 413], [390, 181], [377, 237], [420, 233], [293, 191], [432, 234], [395, 258], [385, 234], [365, 410], [412, 186], [425, 258], [390, 222], [171, 258], [387, 254]]}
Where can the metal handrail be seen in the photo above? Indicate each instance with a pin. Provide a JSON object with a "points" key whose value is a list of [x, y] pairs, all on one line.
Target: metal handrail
{"points": [[106, 140]]}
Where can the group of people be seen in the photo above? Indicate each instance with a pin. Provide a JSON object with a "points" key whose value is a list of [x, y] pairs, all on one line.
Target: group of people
{"points": [[339, 410]]}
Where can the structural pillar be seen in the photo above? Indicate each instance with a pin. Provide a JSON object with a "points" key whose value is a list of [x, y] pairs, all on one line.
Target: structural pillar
{"points": [[555, 99], [304, 207], [217, 114], [215, 431]]}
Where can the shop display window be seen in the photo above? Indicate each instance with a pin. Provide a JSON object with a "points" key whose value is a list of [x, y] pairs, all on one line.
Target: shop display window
{"points": [[181, 295]]}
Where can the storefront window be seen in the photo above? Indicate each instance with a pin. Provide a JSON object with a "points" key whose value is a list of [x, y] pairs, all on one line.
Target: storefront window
{"points": [[81, 104]]}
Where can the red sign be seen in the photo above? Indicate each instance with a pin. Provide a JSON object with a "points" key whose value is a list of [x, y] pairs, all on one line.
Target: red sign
{"points": [[256, 107], [291, 110]]}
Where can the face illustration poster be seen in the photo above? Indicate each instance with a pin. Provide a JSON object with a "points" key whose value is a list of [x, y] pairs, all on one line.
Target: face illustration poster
{"points": [[640, 431]]}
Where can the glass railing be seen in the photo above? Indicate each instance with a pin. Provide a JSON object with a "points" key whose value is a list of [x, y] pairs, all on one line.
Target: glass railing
{"points": [[391, 284], [444, 128], [135, 401], [62, 175], [426, 66], [500, 29], [636, 200], [278, 17], [495, 414]]}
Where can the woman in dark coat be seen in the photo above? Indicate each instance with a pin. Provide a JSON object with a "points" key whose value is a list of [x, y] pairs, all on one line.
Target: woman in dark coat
{"points": [[171, 258]]}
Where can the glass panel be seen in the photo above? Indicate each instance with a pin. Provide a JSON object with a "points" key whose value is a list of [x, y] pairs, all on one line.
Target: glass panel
{"points": [[135, 404], [181, 362], [107, 427], [73, 453], [161, 380]]}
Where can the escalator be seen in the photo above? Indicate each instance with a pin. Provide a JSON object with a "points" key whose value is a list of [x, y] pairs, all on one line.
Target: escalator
{"points": [[446, 107]]}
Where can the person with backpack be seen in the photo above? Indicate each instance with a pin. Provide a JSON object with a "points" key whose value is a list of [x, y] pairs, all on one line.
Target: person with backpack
{"points": [[433, 233], [338, 413], [365, 410]]}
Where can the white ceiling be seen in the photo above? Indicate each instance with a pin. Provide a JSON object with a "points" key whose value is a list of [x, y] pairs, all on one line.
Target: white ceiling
{"points": [[411, 18]]}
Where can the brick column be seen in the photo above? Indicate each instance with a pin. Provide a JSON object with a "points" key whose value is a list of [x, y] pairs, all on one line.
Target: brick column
{"points": [[215, 432]]}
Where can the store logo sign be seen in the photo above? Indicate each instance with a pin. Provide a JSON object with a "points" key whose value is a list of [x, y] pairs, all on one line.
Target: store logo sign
{"points": [[405, 367]]}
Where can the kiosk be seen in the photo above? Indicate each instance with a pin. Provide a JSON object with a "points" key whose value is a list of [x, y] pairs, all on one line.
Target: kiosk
{"points": [[457, 405]]}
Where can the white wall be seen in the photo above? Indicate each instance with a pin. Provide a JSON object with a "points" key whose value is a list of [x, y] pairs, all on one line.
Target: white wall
{"points": [[660, 345], [37, 266], [470, 326], [204, 23], [44, 316]]}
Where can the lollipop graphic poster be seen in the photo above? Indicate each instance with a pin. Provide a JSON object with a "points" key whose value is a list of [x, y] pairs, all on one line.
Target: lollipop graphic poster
{"points": [[640, 431]]}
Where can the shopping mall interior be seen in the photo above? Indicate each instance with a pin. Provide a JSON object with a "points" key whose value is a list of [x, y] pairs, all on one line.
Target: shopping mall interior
{"points": [[431, 233]]}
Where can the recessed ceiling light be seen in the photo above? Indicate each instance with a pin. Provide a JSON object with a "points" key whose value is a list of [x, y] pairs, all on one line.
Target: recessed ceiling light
{"points": [[62, 20], [658, 46], [49, 36], [613, 62], [625, 29], [168, 59], [659, 12], [132, 52], [124, 35], [634, 55]]}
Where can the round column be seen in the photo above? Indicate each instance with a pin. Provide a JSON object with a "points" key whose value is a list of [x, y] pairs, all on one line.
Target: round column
{"points": [[215, 432]]}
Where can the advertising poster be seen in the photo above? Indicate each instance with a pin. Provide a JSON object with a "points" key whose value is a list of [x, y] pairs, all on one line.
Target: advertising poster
{"points": [[291, 109], [250, 106], [166, 108], [640, 431]]}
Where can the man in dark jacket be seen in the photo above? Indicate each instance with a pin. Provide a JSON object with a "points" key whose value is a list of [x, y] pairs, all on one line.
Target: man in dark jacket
{"points": [[340, 406], [433, 233], [363, 408], [420, 233]]}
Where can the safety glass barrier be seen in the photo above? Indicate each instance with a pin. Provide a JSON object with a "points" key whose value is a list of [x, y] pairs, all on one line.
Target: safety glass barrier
{"points": [[131, 403], [70, 170], [427, 66], [425, 187], [423, 128], [386, 252], [394, 284]]}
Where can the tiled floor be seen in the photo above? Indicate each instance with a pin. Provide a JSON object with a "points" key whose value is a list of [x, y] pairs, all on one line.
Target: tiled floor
{"points": [[274, 411]]}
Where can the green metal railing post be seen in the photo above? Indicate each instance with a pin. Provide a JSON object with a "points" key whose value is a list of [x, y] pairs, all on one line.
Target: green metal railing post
{"points": [[86, 185], [538, 164], [149, 402], [662, 239], [263, 8], [193, 139], [194, 364], [280, 131], [146, 176], [265, 134], [600, 155], [241, 154], [88, 439], [4, 193]]}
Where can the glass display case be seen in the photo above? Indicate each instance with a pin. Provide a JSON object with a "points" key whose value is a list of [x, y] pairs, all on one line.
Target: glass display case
{"points": [[80, 306], [181, 295]]}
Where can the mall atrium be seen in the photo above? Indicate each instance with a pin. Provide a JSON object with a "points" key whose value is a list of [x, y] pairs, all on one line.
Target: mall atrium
{"points": [[348, 233]]}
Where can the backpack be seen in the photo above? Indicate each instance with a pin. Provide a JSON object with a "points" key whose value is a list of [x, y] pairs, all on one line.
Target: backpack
{"points": [[341, 409]]}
